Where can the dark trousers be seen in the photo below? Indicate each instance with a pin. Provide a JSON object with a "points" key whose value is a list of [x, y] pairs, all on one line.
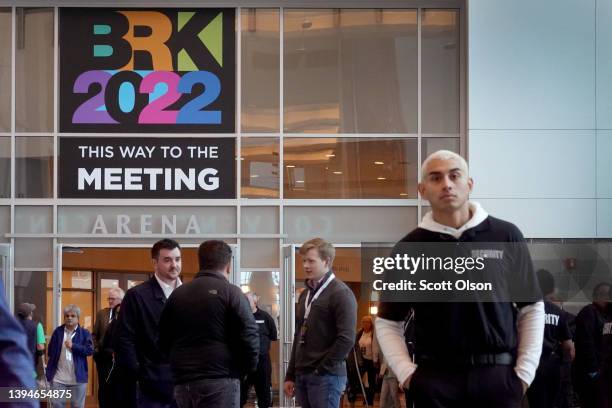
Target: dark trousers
{"points": [[262, 380], [592, 392], [155, 394], [544, 390], [213, 393], [370, 369], [444, 386], [103, 366]]}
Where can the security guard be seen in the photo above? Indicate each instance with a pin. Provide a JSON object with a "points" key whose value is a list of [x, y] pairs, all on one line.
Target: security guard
{"points": [[262, 377], [588, 369], [606, 371], [469, 354], [544, 390]]}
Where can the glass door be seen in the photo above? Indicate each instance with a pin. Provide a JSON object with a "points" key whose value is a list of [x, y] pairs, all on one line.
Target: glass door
{"points": [[6, 272], [287, 316]]}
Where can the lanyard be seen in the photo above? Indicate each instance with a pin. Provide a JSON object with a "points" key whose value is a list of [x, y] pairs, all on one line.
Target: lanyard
{"points": [[321, 289], [69, 352]]}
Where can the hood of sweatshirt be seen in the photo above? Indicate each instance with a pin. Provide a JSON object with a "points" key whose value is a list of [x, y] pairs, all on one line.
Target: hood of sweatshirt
{"points": [[478, 216]]}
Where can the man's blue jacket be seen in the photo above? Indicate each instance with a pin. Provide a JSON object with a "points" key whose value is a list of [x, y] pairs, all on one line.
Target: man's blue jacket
{"points": [[82, 346]]}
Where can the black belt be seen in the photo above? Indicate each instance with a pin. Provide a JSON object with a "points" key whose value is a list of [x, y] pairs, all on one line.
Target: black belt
{"points": [[471, 360]]}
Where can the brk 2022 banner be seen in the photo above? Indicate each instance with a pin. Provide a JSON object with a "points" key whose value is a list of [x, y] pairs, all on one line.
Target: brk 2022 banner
{"points": [[147, 70]]}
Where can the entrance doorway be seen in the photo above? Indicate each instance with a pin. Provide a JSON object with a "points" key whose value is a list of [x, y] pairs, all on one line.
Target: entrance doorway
{"points": [[89, 272]]}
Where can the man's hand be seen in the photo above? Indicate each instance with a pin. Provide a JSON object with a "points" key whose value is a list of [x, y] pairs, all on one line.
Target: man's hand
{"points": [[289, 388], [68, 344]]}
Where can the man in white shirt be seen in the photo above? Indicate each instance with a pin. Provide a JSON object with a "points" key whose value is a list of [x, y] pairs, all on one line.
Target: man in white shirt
{"points": [[138, 354]]}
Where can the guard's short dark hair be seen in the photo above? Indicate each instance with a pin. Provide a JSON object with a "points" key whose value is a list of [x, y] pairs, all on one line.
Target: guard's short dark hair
{"points": [[214, 255], [598, 287], [547, 281], [165, 243]]}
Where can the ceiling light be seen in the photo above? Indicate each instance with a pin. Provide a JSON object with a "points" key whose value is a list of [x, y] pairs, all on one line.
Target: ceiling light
{"points": [[254, 175], [330, 155], [403, 194], [290, 166], [337, 172], [299, 181], [379, 162], [381, 178]]}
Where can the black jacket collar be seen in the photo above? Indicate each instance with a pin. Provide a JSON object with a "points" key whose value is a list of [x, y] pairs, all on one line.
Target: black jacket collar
{"points": [[213, 274]]}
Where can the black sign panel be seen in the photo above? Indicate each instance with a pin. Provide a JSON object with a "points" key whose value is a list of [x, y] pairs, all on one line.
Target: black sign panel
{"points": [[147, 70], [147, 167]]}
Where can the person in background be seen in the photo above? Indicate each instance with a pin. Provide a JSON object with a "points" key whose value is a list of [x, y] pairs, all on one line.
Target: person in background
{"points": [[208, 331], [389, 391], [364, 360], [262, 377], [34, 331], [324, 331], [15, 360], [103, 363], [544, 390], [146, 368], [588, 365], [68, 350], [368, 346], [113, 381]]}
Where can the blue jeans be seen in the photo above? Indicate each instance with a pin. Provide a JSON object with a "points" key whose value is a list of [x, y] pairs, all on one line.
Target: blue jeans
{"points": [[210, 392], [77, 399], [319, 391]]}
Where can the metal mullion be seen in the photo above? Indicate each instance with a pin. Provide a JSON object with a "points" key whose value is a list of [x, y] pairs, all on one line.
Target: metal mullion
{"points": [[355, 4], [419, 110], [13, 102], [281, 217], [463, 76], [33, 134], [11, 265], [269, 135], [238, 123], [281, 126], [150, 135], [356, 202], [352, 135], [55, 104], [442, 135], [159, 202], [38, 270], [144, 236]]}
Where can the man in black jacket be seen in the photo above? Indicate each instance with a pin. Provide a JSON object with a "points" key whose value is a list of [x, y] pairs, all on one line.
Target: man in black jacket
{"points": [[209, 332], [139, 358], [326, 317]]}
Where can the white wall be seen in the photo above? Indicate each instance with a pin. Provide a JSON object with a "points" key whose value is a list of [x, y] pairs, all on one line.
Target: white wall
{"points": [[540, 114]]}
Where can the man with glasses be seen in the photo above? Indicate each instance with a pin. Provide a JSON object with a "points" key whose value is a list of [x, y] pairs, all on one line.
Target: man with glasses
{"points": [[103, 319]]}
